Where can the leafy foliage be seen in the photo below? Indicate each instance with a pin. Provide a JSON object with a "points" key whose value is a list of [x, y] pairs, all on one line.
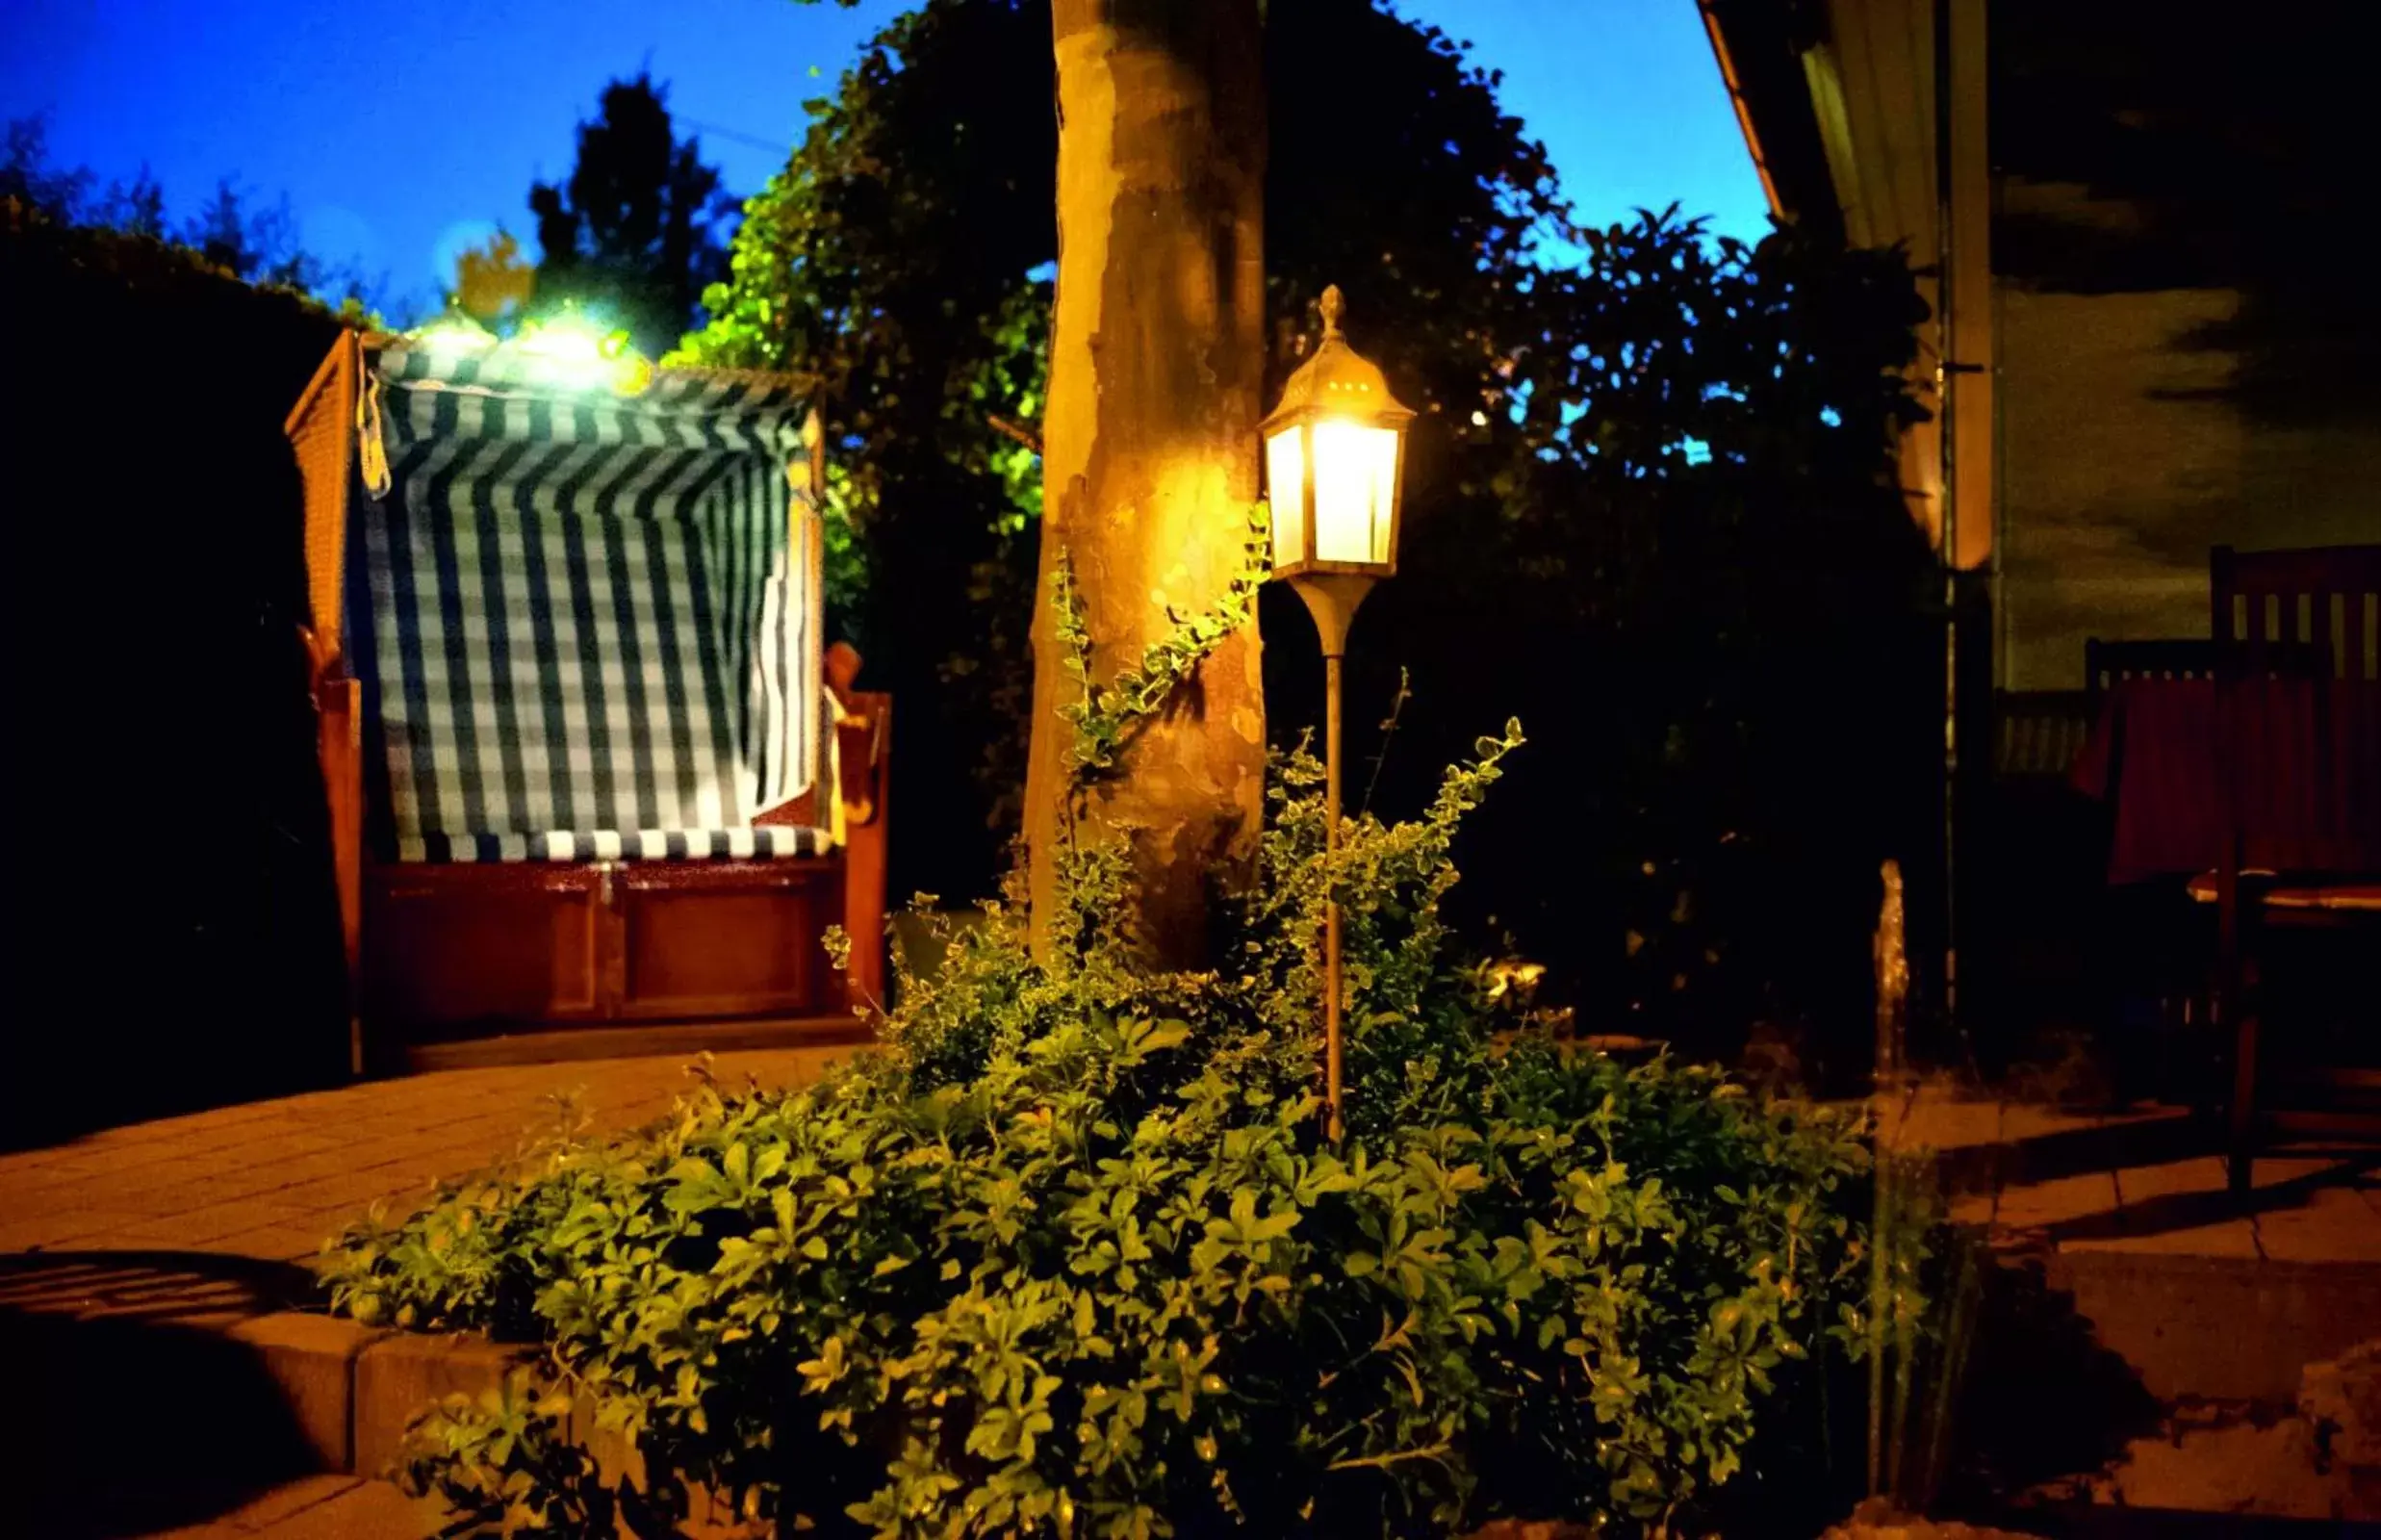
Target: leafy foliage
{"points": [[1650, 504], [1103, 719], [493, 282], [1070, 1254]]}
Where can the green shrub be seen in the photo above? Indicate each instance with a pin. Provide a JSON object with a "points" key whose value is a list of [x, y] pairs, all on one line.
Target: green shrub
{"points": [[1069, 1252]]}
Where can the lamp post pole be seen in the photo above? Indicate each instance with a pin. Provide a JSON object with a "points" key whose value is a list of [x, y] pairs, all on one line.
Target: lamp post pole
{"points": [[1333, 660], [1335, 457], [1332, 597]]}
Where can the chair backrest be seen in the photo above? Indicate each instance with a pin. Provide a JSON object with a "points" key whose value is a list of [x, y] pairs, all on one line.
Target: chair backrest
{"points": [[2327, 597], [2037, 733], [2308, 793], [2105, 663], [2108, 664]]}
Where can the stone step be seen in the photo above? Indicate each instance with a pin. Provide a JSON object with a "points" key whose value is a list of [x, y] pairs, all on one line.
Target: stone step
{"points": [[160, 1329], [2146, 1333], [354, 1508], [174, 1404], [157, 1416], [2202, 1328], [2089, 1522], [2219, 1378]]}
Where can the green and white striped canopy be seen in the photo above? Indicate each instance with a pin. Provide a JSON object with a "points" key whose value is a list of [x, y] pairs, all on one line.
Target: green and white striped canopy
{"points": [[591, 626]]}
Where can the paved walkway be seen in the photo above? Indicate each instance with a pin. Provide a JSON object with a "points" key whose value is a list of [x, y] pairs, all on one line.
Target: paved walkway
{"points": [[134, 1255], [2311, 1204], [2140, 1182], [270, 1180]]}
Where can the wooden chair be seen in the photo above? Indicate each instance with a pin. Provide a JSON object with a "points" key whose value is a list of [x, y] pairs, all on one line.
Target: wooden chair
{"points": [[2275, 614], [587, 761]]}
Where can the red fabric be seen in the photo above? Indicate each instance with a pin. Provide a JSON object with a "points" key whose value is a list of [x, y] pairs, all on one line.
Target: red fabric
{"points": [[2306, 762]]}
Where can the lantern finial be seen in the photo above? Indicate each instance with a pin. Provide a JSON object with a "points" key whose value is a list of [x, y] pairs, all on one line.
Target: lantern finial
{"points": [[1334, 306]]}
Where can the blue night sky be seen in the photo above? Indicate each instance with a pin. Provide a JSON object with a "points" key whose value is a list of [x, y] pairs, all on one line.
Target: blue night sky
{"points": [[402, 134]]}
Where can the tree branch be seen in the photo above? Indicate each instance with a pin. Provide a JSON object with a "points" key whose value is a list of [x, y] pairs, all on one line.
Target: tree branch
{"points": [[1014, 430]]}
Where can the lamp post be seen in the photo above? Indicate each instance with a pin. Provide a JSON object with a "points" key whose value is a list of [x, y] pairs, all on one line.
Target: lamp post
{"points": [[1334, 468]]}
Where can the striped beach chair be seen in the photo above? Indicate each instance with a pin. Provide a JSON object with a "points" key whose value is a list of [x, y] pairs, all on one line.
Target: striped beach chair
{"points": [[579, 742]]}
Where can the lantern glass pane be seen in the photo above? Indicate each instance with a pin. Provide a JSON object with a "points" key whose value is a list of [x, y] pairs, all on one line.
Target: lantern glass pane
{"points": [[1355, 477], [1285, 475]]}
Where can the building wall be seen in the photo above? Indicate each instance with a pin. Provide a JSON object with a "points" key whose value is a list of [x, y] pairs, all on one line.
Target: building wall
{"points": [[2124, 455]]}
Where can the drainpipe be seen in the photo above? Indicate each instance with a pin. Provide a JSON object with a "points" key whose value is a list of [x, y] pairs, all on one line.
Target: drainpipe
{"points": [[1947, 447], [1969, 355]]}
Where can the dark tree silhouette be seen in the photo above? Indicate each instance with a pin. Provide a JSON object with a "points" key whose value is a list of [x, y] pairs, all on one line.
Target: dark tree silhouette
{"points": [[228, 233], [638, 229]]}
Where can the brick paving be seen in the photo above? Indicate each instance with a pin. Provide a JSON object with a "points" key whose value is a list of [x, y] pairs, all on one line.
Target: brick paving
{"points": [[270, 1180], [2314, 1201]]}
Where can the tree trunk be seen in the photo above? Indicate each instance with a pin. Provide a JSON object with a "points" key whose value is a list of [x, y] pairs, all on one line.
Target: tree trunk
{"points": [[1149, 459]]}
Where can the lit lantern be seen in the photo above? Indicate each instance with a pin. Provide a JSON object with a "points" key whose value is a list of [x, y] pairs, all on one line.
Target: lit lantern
{"points": [[569, 351], [572, 350], [456, 333], [1335, 470], [1335, 461]]}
